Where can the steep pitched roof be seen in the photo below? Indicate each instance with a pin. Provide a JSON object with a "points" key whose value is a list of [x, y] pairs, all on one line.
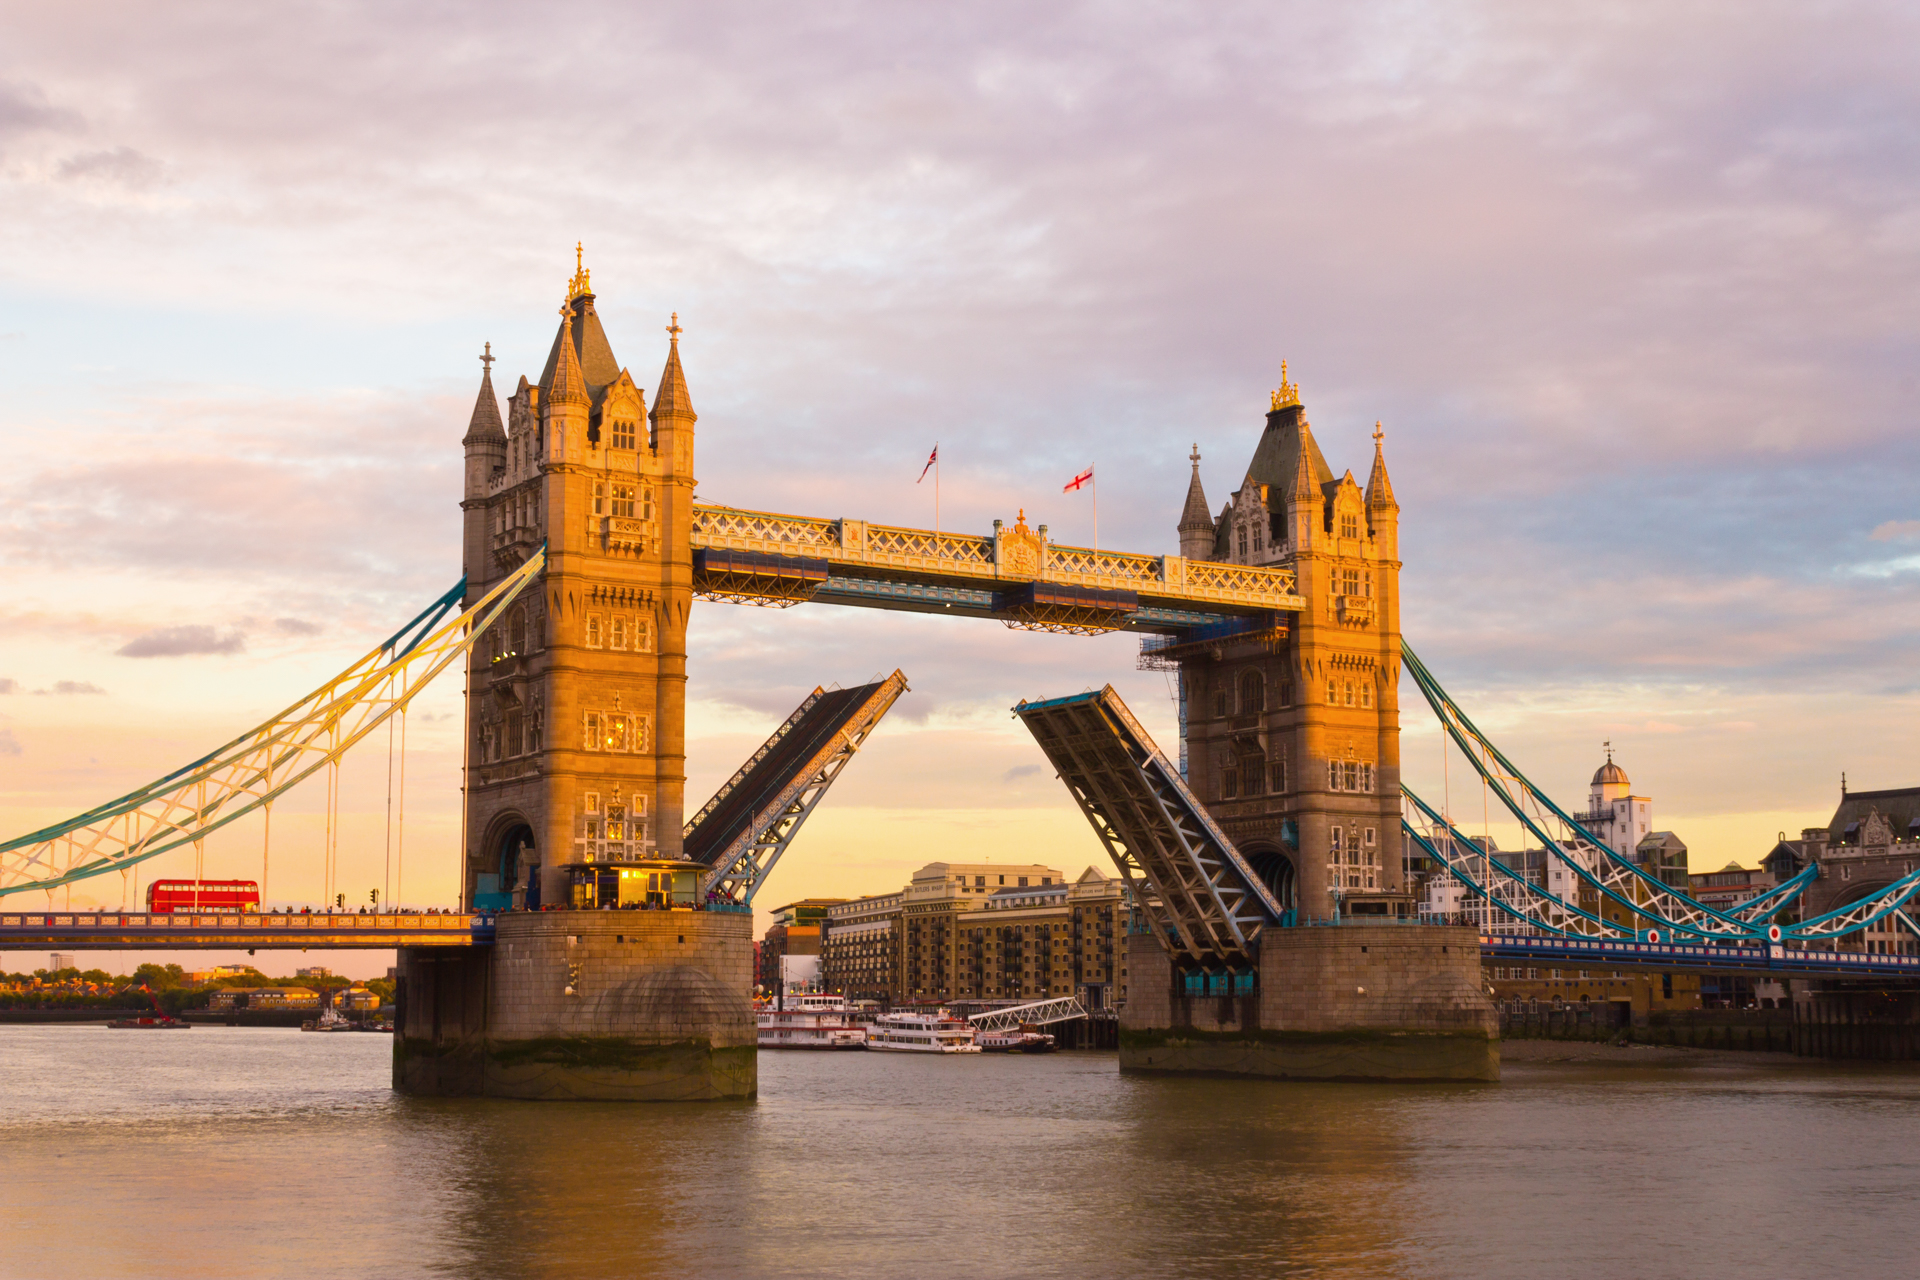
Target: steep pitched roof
{"points": [[484, 426], [593, 355], [566, 384], [1900, 807], [672, 397], [1194, 515], [1277, 459], [1379, 488]]}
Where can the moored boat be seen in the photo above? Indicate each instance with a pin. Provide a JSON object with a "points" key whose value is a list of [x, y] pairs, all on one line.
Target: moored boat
{"points": [[811, 1022], [936, 1032], [1023, 1040]]}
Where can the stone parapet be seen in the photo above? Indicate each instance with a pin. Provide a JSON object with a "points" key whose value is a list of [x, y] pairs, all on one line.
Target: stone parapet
{"points": [[1360, 1002], [640, 1005]]}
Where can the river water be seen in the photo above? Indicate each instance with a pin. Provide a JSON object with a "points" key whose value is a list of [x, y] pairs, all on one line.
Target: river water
{"points": [[242, 1152]]}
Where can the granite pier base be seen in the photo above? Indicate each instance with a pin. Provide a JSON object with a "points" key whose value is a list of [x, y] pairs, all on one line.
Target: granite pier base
{"points": [[1354, 1002], [644, 1006]]}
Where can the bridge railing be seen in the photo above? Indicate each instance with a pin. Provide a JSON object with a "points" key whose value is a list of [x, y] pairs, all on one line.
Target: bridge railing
{"points": [[1014, 555]]}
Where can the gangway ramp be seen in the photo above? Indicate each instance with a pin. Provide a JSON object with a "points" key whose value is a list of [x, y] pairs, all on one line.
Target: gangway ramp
{"points": [[1197, 889], [740, 833], [1038, 1014]]}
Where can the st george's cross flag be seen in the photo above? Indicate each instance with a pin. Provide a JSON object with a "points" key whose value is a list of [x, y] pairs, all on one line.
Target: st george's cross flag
{"points": [[1080, 481], [931, 459]]}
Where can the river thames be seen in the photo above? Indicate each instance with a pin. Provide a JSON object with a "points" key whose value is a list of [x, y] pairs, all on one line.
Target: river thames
{"points": [[231, 1152]]}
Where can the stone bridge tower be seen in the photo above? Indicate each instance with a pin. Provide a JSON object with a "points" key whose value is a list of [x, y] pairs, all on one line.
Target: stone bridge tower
{"points": [[577, 697], [1293, 733]]}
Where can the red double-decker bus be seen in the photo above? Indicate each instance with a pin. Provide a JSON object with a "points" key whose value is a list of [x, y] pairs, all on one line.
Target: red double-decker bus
{"points": [[203, 895]]}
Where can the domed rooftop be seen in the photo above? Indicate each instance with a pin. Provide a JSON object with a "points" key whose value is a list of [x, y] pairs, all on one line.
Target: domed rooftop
{"points": [[1610, 774]]}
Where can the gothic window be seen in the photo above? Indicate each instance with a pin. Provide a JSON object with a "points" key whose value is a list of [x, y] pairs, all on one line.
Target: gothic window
{"points": [[1338, 836], [513, 738], [593, 631], [1280, 774], [618, 732], [1253, 769], [594, 737], [623, 435], [1229, 779], [1366, 693], [1350, 582], [1366, 777], [517, 630], [616, 822], [1253, 693], [642, 635], [599, 498], [616, 632], [1370, 836], [1333, 774], [1286, 693], [593, 802], [1220, 704], [1349, 525], [1333, 693], [623, 501], [1243, 540], [1353, 776]]}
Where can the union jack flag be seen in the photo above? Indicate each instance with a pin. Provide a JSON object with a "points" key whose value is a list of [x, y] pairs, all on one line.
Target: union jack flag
{"points": [[931, 459]]}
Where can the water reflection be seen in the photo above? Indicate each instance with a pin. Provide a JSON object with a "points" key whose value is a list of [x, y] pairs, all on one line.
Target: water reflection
{"points": [[255, 1153]]}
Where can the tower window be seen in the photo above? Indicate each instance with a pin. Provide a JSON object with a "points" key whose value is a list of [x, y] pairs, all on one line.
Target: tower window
{"points": [[1350, 582], [646, 504], [1349, 525], [623, 501], [1366, 693], [623, 435], [616, 632], [1243, 541], [599, 498], [1253, 693], [1333, 694], [1349, 688], [593, 631], [642, 635]]}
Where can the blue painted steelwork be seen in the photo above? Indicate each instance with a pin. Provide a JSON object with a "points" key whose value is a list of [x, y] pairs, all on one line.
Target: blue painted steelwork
{"points": [[1748, 956], [212, 930], [1654, 900]]}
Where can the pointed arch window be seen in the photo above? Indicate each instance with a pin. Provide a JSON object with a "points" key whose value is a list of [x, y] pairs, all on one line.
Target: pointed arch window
{"points": [[1253, 693]]}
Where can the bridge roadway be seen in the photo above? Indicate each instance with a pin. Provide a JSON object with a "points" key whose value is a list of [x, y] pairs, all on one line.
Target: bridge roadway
{"points": [[184, 931], [1622, 954]]}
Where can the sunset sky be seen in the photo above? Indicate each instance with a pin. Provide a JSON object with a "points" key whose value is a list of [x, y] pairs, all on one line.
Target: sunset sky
{"points": [[1634, 291]]}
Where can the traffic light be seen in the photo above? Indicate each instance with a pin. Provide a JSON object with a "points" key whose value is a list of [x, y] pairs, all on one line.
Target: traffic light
{"points": [[373, 896], [340, 900]]}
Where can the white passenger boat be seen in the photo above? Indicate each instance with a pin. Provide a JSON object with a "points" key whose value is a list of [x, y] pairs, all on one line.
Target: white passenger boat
{"points": [[936, 1032], [811, 1022]]}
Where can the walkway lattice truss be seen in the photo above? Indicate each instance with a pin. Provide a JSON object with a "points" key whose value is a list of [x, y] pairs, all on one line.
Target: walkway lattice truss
{"points": [[1652, 908], [1038, 1014], [266, 761], [1182, 869], [743, 864]]}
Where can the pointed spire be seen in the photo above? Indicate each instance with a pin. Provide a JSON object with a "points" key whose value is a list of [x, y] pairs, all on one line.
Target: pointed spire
{"points": [[1306, 479], [1379, 488], [672, 398], [569, 385], [1194, 515], [485, 426]]}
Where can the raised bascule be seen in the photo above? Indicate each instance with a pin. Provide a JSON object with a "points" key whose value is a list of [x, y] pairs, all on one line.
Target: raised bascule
{"points": [[603, 949]]}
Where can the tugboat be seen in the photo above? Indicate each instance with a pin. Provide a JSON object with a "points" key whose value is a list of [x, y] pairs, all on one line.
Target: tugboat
{"points": [[1024, 1040], [330, 1019]]}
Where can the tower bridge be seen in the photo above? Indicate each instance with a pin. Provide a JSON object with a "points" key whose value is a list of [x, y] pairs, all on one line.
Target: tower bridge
{"points": [[1273, 871]]}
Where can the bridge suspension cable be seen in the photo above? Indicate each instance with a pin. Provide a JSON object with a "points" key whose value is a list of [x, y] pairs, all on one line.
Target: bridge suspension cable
{"points": [[1586, 860], [262, 764]]}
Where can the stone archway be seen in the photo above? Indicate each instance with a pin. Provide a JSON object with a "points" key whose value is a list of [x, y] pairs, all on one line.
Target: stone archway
{"points": [[1275, 868], [516, 859]]}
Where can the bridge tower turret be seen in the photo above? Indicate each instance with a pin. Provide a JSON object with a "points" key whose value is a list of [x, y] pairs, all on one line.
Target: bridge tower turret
{"points": [[576, 755], [1293, 732], [486, 449]]}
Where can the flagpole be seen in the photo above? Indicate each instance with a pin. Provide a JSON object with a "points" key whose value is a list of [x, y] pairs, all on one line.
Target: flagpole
{"points": [[936, 499], [1095, 482]]}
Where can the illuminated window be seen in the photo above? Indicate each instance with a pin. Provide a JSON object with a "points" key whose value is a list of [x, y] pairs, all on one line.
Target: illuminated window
{"points": [[623, 501], [593, 631], [593, 741], [593, 801]]}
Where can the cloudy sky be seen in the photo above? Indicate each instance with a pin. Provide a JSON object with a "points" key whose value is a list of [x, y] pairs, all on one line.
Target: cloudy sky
{"points": [[1633, 290]]}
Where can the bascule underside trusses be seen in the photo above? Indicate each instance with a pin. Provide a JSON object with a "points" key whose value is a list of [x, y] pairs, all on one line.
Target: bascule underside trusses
{"points": [[741, 832], [1202, 896]]}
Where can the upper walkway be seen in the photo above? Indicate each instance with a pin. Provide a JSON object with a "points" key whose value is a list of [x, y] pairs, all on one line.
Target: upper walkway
{"points": [[1016, 575], [208, 930]]}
